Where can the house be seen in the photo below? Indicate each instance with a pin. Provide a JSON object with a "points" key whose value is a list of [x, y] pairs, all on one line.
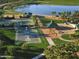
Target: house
{"points": [[52, 25]]}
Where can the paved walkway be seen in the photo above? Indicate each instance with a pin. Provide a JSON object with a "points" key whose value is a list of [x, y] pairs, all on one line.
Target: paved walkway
{"points": [[50, 41], [39, 56], [66, 39], [5, 56]]}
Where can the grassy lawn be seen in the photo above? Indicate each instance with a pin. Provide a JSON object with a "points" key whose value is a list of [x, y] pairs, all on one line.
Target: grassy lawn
{"points": [[43, 43], [45, 21], [74, 36], [66, 36], [53, 2], [43, 39], [77, 32], [9, 33], [58, 21], [70, 37], [12, 12], [57, 41], [60, 2]]}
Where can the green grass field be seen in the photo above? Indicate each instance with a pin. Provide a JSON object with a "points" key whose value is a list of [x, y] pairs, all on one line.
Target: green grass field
{"points": [[57, 41], [60, 2], [8, 33], [53, 2]]}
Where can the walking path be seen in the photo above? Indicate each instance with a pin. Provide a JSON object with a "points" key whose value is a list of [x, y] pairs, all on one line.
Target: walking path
{"points": [[50, 41], [59, 36], [5, 56], [39, 56], [66, 40]]}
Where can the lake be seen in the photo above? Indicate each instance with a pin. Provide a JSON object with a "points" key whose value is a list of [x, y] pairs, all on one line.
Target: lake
{"points": [[46, 9]]}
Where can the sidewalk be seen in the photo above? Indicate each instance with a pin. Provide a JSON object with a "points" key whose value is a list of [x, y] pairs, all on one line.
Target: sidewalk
{"points": [[39, 56], [50, 41]]}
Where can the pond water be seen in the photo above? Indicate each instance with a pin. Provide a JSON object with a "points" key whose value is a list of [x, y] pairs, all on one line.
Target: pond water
{"points": [[46, 9]]}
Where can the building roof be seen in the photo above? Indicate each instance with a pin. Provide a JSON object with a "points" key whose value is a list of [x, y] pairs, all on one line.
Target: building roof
{"points": [[77, 25], [52, 25]]}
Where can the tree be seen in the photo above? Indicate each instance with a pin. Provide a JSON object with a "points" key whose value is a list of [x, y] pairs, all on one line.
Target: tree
{"points": [[65, 15], [10, 50], [65, 51], [1, 12], [54, 13], [24, 46], [76, 13], [1, 43]]}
